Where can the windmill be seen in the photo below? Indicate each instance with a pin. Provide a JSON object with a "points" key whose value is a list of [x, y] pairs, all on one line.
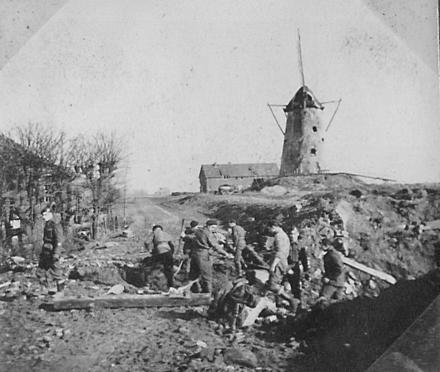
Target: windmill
{"points": [[304, 133]]}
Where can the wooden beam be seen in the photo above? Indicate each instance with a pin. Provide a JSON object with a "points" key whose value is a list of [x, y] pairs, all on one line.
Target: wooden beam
{"points": [[300, 61], [276, 120], [334, 114], [128, 300], [368, 270], [433, 225], [358, 175], [5, 284]]}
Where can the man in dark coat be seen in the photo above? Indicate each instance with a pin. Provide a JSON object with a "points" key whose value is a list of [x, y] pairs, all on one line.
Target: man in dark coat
{"points": [[297, 258], [187, 237], [49, 268], [239, 243], [334, 274]]}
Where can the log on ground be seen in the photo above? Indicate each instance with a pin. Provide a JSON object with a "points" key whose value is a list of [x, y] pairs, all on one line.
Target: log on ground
{"points": [[373, 272], [128, 300]]}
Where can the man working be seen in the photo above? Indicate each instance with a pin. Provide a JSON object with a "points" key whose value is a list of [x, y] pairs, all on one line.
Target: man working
{"points": [[279, 264], [187, 237], [297, 258], [239, 243], [334, 275], [49, 268], [230, 300], [201, 264], [162, 252]]}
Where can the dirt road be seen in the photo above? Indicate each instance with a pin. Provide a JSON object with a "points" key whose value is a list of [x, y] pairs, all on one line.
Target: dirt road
{"points": [[146, 212]]}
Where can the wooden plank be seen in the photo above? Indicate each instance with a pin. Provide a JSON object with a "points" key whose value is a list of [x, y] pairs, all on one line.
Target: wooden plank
{"points": [[373, 272], [276, 120], [5, 284], [129, 300], [433, 225]]}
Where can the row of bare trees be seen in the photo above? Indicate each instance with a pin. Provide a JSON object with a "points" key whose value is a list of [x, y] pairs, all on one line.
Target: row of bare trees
{"points": [[35, 156], [78, 153]]}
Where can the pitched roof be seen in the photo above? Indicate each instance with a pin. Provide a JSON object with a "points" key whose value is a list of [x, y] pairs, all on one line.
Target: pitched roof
{"points": [[240, 170], [9, 144], [12, 153]]}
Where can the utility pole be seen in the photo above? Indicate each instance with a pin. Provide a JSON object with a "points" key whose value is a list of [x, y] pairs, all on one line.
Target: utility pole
{"points": [[125, 203], [125, 196]]}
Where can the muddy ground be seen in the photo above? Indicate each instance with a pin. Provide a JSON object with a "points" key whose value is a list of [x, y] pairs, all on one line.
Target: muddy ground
{"points": [[382, 223], [168, 339]]}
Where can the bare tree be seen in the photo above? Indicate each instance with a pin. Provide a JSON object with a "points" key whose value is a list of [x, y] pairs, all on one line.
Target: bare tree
{"points": [[42, 159], [109, 150], [79, 154], [41, 141], [96, 159], [34, 157], [104, 150], [108, 156]]}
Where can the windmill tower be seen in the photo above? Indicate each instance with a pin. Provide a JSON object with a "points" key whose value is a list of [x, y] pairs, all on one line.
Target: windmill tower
{"points": [[304, 134]]}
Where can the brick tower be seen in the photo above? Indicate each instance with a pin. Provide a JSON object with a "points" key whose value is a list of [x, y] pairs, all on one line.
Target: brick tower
{"points": [[304, 135]]}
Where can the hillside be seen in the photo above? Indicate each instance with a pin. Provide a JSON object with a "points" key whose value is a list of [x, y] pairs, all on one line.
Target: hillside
{"points": [[388, 225], [392, 228], [389, 228]]}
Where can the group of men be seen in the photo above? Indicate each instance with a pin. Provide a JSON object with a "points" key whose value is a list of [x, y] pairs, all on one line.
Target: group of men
{"points": [[289, 258], [289, 254], [198, 243]]}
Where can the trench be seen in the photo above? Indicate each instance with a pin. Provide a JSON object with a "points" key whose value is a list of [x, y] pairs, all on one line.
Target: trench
{"points": [[145, 274], [139, 274]]}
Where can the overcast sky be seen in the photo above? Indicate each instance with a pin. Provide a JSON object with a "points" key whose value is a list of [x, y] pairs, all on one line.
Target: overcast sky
{"points": [[187, 82]]}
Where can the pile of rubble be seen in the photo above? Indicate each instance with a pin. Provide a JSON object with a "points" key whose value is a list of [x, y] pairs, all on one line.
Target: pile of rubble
{"points": [[388, 237], [17, 279]]}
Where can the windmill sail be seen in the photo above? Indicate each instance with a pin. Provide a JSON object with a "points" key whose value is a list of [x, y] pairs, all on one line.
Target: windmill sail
{"points": [[300, 60]]}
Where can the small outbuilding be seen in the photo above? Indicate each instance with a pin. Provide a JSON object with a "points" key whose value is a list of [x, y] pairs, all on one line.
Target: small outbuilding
{"points": [[240, 176]]}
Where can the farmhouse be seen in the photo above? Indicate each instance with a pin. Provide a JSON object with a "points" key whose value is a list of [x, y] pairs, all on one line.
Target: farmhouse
{"points": [[241, 176]]}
